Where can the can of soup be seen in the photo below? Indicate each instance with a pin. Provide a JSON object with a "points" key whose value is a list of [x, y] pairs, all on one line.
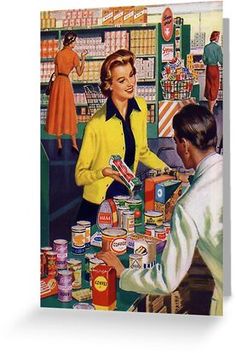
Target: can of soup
{"points": [[128, 221], [150, 230], [75, 266], [160, 233]]}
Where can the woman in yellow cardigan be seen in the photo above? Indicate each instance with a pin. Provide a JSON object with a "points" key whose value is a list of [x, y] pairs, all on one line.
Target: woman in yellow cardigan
{"points": [[119, 127]]}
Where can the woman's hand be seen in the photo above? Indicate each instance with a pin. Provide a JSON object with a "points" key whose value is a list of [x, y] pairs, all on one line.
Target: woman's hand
{"points": [[111, 260], [84, 53], [109, 172]]}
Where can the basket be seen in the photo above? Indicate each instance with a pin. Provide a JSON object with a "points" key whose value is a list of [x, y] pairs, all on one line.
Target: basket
{"points": [[176, 90], [94, 97]]}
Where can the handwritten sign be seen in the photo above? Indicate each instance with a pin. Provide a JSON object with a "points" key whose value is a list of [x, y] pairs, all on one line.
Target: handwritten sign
{"points": [[167, 52], [167, 24]]}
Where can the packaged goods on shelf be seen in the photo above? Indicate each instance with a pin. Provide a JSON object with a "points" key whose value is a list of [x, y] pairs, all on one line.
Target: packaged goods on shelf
{"points": [[49, 48], [129, 15], [46, 70], [107, 16], [145, 68], [44, 99], [91, 72], [143, 41], [151, 114], [84, 115], [148, 92], [140, 14], [118, 15], [43, 116], [47, 20], [80, 98]]}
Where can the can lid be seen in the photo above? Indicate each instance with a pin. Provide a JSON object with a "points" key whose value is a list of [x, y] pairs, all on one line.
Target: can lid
{"points": [[65, 273], [121, 197], [134, 201], [128, 212], [46, 248], [153, 213], [150, 226], [84, 223], [166, 224], [73, 262], [77, 229], [160, 229], [51, 253], [83, 306], [60, 241], [114, 232]]}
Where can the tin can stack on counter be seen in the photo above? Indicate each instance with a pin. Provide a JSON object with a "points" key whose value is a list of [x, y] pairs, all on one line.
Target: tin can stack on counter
{"points": [[60, 246], [64, 280], [78, 234]]}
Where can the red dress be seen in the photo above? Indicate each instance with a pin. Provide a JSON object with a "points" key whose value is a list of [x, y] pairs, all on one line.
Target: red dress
{"points": [[61, 113], [212, 82]]}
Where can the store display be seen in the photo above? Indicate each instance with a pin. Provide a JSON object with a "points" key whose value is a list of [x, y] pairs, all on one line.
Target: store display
{"points": [[136, 228]]}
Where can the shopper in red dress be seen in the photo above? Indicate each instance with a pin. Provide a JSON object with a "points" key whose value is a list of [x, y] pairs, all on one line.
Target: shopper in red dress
{"points": [[212, 56], [61, 114]]}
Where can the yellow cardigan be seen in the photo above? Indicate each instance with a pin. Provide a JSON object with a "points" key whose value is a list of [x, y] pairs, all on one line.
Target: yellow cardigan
{"points": [[104, 138]]}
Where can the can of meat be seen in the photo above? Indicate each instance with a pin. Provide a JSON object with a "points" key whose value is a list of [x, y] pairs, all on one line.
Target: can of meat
{"points": [[153, 217], [114, 239], [120, 200], [167, 228], [160, 233], [135, 261], [78, 239], [150, 230], [64, 278], [128, 221], [135, 205], [75, 266], [107, 214], [51, 257], [87, 226]]}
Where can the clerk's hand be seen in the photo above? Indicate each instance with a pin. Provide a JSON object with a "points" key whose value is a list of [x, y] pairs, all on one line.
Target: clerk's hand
{"points": [[183, 177], [109, 172], [111, 260]]}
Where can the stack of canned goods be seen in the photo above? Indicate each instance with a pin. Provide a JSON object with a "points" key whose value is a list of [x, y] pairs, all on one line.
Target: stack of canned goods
{"points": [[75, 266], [159, 232], [64, 280], [60, 246], [80, 237]]}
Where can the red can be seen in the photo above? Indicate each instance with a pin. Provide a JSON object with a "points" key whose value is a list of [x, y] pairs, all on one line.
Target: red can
{"points": [[167, 228], [42, 264], [51, 257]]}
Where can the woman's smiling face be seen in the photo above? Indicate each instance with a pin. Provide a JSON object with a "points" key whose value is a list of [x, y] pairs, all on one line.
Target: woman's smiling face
{"points": [[123, 82]]}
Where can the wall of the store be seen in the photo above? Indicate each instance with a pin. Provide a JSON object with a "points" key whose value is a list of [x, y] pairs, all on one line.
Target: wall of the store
{"points": [[200, 22]]}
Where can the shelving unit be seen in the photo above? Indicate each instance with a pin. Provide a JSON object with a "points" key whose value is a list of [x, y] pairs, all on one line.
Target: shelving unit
{"points": [[152, 61]]}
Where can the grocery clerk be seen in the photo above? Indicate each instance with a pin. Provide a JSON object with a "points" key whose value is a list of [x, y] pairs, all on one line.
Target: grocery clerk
{"points": [[119, 127]]}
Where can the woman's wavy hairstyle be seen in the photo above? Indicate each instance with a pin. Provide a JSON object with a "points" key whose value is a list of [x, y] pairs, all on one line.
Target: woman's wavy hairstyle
{"points": [[120, 57]]}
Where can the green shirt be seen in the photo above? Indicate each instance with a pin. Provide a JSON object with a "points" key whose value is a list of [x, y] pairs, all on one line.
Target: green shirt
{"points": [[212, 54]]}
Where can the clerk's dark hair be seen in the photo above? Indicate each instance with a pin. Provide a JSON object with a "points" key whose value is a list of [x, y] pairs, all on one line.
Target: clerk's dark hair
{"points": [[196, 124]]}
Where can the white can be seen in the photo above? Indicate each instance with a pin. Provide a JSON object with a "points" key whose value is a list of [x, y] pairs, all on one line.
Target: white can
{"points": [[87, 226], [128, 221]]}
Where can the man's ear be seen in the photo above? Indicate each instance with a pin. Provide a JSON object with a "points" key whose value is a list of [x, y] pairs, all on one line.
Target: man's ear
{"points": [[186, 145]]}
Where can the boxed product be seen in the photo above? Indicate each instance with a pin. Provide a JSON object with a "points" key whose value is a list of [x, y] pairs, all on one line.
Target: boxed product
{"points": [[166, 196], [107, 16], [129, 15], [104, 287], [149, 190]]}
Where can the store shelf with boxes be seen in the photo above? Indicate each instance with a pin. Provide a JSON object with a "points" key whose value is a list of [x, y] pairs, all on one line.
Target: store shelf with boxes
{"points": [[105, 35]]}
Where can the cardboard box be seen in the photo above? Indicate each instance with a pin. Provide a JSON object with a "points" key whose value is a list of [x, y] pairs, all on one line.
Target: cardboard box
{"points": [[104, 287], [166, 196], [140, 14], [129, 15], [149, 190], [118, 15], [107, 16]]}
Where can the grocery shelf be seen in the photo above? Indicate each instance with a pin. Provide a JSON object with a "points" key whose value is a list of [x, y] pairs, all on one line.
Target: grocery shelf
{"points": [[44, 60]]}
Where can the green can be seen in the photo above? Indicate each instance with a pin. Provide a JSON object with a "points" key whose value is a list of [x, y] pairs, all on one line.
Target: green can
{"points": [[136, 206], [120, 200]]}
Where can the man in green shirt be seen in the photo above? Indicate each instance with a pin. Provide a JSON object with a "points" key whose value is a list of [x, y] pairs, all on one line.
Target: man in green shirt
{"points": [[212, 56]]}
